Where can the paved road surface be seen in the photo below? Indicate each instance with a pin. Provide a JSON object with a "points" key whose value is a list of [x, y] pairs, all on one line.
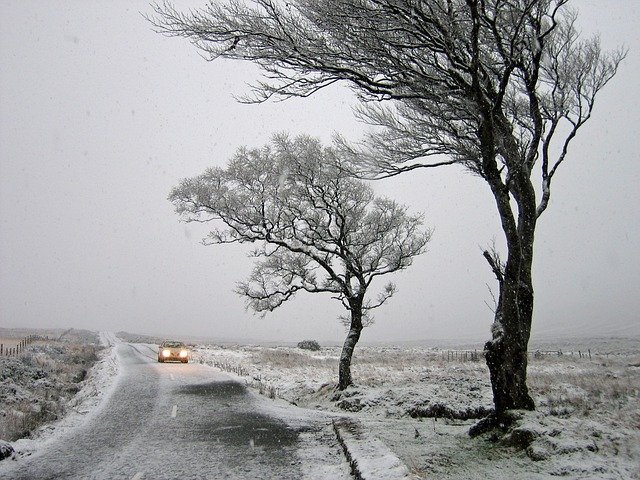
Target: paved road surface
{"points": [[176, 421]]}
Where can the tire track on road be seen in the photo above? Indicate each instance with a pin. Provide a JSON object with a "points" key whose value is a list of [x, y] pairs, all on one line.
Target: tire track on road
{"points": [[143, 353]]}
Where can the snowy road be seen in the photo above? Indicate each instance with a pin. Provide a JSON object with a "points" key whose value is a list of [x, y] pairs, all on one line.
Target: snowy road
{"points": [[176, 421]]}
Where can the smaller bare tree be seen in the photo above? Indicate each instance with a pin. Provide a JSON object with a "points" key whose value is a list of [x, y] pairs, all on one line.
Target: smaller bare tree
{"points": [[319, 231]]}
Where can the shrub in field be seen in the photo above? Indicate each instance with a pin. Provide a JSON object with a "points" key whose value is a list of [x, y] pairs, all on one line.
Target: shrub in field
{"points": [[309, 345]]}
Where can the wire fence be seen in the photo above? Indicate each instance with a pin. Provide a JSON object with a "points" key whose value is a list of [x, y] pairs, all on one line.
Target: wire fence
{"points": [[20, 346], [462, 355], [559, 353], [477, 355]]}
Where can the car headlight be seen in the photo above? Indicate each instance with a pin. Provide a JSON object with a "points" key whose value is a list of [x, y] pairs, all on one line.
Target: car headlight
{"points": [[166, 353], [183, 353]]}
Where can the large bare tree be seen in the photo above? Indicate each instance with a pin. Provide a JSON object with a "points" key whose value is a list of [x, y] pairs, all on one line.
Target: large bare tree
{"points": [[499, 86], [319, 231]]}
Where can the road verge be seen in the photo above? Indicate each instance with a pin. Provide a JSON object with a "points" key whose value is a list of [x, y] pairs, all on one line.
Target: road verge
{"points": [[369, 458]]}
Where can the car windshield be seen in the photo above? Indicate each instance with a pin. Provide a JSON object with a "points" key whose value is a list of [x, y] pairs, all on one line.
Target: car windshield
{"points": [[173, 344]]}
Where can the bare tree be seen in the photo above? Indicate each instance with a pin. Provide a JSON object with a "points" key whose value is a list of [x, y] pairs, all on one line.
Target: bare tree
{"points": [[319, 231], [498, 86]]}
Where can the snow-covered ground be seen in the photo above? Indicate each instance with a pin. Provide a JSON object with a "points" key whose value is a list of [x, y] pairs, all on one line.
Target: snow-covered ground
{"points": [[421, 405], [72, 410]]}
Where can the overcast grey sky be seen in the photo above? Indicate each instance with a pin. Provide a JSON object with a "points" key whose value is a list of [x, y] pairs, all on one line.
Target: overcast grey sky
{"points": [[100, 117]]}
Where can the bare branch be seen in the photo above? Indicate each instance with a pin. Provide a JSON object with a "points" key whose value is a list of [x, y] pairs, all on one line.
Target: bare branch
{"points": [[497, 266]]}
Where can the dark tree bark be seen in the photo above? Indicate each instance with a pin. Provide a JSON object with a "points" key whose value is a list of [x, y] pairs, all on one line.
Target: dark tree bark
{"points": [[355, 328], [506, 352]]}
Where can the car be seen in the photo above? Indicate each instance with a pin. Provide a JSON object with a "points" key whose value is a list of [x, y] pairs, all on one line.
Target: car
{"points": [[173, 351]]}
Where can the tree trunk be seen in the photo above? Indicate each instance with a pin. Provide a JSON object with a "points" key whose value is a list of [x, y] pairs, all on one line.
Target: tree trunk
{"points": [[344, 369], [506, 356], [506, 353]]}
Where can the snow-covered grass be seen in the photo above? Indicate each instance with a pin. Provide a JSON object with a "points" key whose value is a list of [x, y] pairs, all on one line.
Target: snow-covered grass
{"points": [[390, 382], [566, 386], [74, 410], [40, 385], [587, 423]]}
